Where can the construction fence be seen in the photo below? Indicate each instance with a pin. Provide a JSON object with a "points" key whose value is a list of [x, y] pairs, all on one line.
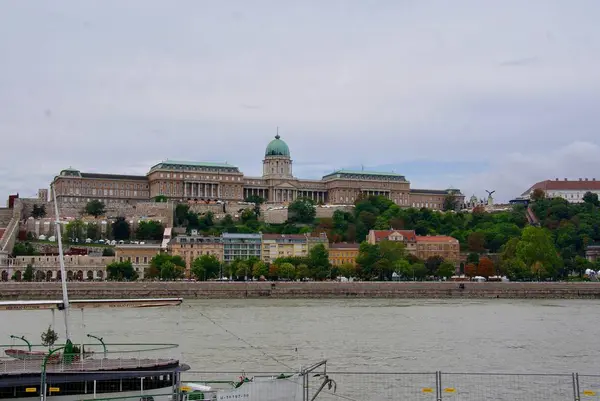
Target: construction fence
{"points": [[434, 386]]}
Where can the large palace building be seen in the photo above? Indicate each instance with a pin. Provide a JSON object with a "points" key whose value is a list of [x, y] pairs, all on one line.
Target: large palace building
{"points": [[200, 181]]}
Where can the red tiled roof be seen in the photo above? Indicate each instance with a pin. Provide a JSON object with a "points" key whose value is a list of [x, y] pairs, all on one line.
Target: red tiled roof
{"points": [[344, 245], [562, 185], [383, 234], [283, 236], [435, 238]]}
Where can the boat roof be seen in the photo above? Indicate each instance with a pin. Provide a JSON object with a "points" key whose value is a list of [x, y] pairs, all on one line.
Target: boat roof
{"points": [[91, 303]]}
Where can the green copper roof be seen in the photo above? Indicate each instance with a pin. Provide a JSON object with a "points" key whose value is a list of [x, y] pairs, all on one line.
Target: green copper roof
{"points": [[184, 165], [366, 172], [364, 175], [70, 172], [277, 147]]}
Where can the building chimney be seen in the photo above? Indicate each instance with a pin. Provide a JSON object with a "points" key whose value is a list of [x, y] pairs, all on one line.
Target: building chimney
{"points": [[593, 179], [580, 179], [586, 179], [566, 179], [556, 179]]}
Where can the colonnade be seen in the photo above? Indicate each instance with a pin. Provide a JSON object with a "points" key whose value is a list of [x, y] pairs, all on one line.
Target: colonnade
{"points": [[376, 192], [262, 192], [201, 190], [285, 195]]}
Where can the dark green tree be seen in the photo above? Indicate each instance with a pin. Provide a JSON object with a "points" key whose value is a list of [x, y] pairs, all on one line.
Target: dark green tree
{"points": [[206, 267], [95, 208], [149, 230], [121, 271], [302, 210], [24, 249], [29, 273], [92, 231], [120, 229], [591, 198], [318, 262], [450, 202], [38, 212], [446, 269]]}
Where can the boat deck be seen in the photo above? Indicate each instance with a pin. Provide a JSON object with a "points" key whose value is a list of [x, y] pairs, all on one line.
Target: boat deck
{"points": [[33, 366]]}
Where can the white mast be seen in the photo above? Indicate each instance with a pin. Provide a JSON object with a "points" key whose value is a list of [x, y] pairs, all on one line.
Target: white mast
{"points": [[63, 273]]}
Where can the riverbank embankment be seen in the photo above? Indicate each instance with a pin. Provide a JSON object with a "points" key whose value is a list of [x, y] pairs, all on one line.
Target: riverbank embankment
{"points": [[224, 290]]}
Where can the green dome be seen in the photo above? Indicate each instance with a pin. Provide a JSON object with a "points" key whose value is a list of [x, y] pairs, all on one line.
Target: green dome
{"points": [[277, 148]]}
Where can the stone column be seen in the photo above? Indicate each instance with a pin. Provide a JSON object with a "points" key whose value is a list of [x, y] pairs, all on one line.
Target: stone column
{"points": [[218, 191]]}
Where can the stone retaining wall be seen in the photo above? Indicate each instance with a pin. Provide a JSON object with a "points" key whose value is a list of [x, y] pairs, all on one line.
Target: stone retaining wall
{"points": [[21, 290]]}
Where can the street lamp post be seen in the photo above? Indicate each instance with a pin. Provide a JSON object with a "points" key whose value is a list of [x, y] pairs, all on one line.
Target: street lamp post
{"points": [[24, 339], [101, 342], [43, 384]]}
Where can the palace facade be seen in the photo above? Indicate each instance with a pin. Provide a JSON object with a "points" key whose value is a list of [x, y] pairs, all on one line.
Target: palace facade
{"points": [[210, 182]]}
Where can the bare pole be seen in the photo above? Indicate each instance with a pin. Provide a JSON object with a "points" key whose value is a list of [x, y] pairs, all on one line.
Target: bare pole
{"points": [[63, 272]]}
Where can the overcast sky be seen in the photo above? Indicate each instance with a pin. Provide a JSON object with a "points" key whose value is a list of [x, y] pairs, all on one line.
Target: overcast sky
{"points": [[465, 93]]}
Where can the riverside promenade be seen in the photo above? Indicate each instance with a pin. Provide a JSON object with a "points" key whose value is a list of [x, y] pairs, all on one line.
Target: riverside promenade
{"points": [[282, 290]]}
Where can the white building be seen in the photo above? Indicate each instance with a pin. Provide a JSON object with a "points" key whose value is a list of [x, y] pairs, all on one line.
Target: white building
{"points": [[571, 190]]}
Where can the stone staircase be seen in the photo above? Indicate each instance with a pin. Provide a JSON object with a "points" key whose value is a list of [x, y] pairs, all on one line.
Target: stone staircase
{"points": [[9, 221]]}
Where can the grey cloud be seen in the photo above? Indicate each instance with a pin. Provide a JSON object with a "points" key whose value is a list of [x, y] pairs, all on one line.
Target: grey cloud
{"points": [[118, 86]]}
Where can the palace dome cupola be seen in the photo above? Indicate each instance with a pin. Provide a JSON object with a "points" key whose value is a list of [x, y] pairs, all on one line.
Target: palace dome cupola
{"points": [[277, 162], [277, 147]]}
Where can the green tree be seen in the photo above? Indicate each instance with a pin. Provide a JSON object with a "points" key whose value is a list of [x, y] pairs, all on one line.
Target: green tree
{"points": [[538, 194], [38, 212], [92, 231], [170, 271], [446, 269], [227, 221], [95, 208], [404, 269], [318, 261], [347, 270], [242, 268], [302, 271], [433, 263], [75, 231], [29, 273], [473, 257], [287, 271], [302, 210], [450, 202], [108, 252], [24, 249], [591, 198], [150, 230], [206, 267], [160, 199], [536, 249], [120, 229], [368, 255], [260, 269], [121, 271], [49, 337], [476, 242], [163, 261], [181, 215], [419, 270]]}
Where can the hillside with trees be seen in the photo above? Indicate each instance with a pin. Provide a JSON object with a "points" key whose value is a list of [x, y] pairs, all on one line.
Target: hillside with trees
{"points": [[551, 251]]}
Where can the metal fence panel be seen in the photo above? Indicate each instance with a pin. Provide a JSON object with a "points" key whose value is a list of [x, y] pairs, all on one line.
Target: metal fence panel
{"points": [[506, 387], [589, 387], [377, 386]]}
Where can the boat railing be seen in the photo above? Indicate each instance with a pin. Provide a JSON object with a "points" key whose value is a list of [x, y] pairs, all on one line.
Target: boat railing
{"points": [[18, 359]]}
